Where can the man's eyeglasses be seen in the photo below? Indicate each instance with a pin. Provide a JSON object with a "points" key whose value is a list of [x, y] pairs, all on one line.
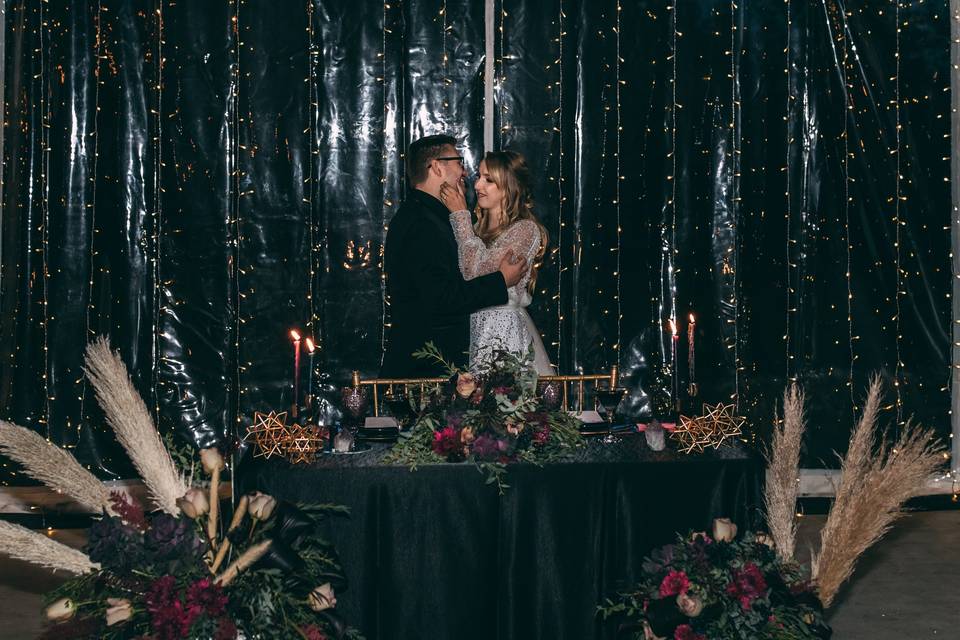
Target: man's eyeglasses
{"points": [[457, 158]]}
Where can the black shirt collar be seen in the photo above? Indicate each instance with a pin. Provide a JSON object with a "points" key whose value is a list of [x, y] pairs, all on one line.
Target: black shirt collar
{"points": [[428, 202]]}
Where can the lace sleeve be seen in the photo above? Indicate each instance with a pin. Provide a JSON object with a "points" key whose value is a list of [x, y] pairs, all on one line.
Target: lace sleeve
{"points": [[472, 252], [476, 259]]}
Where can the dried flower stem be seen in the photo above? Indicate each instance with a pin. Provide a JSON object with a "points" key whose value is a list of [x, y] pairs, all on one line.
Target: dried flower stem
{"points": [[214, 507], [132, 423], [23, 544], [783, 470], [54, 467], [246, 559], [238, 515], [873, 488]]}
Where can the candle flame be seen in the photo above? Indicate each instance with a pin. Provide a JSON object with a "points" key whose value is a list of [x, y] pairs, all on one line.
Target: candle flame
{"points": [[310, 345], [692, 319], [673, 327], [295, 334]]}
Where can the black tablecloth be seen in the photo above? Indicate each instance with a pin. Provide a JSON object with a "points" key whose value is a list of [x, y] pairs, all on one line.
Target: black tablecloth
{"points": [[438, 554]]}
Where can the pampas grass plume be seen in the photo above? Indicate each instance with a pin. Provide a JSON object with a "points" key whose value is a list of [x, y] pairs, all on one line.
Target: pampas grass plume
{"points": [[23, 544]]}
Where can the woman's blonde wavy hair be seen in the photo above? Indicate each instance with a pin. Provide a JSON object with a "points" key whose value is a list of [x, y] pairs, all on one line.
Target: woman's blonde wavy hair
{"points": [[508, 170]]}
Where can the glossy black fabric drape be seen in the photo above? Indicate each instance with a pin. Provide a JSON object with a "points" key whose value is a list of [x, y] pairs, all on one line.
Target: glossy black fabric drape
{"points": [[758, 147], [437, 553], [195, 179]]}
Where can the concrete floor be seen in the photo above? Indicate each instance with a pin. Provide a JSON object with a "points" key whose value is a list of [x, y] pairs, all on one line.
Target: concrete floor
{"points": [[905, 588]]}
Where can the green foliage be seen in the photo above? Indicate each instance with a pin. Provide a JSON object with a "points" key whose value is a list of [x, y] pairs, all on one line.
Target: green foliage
{"points": [[491, 418]]}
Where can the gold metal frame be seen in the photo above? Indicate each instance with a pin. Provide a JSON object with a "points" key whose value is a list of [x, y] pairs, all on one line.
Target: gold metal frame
{"points": [[612, 379]]}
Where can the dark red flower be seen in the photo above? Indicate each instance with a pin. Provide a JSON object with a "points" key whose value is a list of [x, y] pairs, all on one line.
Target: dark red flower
{"points": [[747, 585], [674, 584], [208, 596], [313, 632], [686, 632], [541, 435], [226, 630], [129, 511]]}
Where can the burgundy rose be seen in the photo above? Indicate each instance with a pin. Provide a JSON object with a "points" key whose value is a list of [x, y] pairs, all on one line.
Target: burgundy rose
{"points": [[675, 583], [747, 585], [226, 629], [686, 632]]}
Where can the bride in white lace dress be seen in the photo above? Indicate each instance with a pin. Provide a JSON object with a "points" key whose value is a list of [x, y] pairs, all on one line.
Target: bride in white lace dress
{"points": [[506, 224]]}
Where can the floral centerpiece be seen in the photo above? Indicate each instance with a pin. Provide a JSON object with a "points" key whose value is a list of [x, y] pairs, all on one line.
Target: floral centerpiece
{"points": [[719, 588], [176, 569], [490, 417]]}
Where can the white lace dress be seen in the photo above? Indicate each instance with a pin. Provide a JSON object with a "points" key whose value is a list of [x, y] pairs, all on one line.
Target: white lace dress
{"points": [[509, 326]]}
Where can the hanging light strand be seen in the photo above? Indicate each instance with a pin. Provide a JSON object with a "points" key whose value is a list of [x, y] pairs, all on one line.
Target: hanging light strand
{"points": [[157, 222], [233, 170], [313, 325], [735, 196], [91, 257], [789, 212], [616, 346], [45, 97], [560, 198], [847, 108], [896, 217]]}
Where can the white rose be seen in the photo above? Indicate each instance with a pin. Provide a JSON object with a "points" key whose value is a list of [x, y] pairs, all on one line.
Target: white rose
{"points": [[62, 609], [691, 606], [261, 506], [118, 611], [194, 503], [466, 385], [724, 530], [322, 597]]}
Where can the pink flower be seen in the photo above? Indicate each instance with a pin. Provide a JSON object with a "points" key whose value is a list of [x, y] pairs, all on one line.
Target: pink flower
{"points": [[446, 443], [686, 632], [674, 584], [313, 632]]}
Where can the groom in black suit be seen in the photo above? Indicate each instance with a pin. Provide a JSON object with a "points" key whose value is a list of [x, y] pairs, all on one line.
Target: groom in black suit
{"points": [[429, 299]]}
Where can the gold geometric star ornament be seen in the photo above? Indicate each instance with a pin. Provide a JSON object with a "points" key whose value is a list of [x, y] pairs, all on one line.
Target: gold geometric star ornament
{"points": [[268, 434], [303, 444], [723, 423], [717, 423]]}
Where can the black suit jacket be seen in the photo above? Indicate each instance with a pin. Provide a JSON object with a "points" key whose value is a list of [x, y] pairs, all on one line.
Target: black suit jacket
{"points": [[429, 299]]}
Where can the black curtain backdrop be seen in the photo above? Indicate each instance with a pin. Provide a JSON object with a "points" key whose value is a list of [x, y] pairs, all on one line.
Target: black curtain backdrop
{"points": [[194, 179]]}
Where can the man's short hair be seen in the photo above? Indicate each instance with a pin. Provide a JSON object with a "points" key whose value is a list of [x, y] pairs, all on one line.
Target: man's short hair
{"points": [[422, 152]]}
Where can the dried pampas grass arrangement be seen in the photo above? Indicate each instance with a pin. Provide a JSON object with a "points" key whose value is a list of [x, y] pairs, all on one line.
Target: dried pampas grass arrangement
{"points": [[132, 423], [874, 485], [36, 548], [783, 473], [54, 467]]}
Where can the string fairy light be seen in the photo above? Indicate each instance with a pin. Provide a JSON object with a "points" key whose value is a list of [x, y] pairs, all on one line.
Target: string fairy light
{"points": [[735, 198], [848, 107], [789, 213], [45, 96], [896, 218], [91, 257], [313, 101], [668, 240], [617, 62], [233, 170], [560, 198], [157, 220]]}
